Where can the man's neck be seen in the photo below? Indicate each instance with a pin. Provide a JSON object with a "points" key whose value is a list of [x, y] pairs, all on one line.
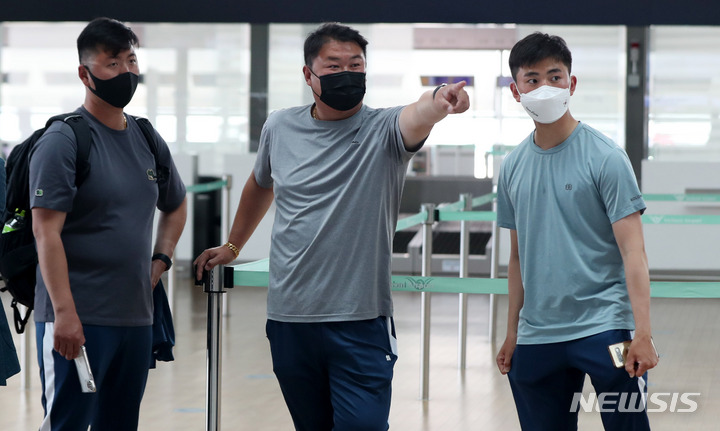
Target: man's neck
{"points": [[325, 113], [108, 115], [547, 136]]}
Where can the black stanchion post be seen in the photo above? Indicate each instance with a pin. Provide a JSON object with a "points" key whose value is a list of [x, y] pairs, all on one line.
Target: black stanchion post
{"points": [[214, 284]]}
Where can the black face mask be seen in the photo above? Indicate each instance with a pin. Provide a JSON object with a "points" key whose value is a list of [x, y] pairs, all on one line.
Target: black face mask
{"points": [[343, 90], [117, 91]]}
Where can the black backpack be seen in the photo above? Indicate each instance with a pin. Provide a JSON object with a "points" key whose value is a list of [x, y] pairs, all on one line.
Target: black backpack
{"points": [[18, 256]]}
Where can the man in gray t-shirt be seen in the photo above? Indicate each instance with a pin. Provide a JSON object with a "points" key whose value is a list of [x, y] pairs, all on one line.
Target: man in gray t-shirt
{"points": [[97, 265], [336, 170]]}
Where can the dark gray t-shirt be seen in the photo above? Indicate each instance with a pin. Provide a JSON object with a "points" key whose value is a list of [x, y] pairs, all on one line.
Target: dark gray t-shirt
{"points": [[337, 187], [107, 234]]}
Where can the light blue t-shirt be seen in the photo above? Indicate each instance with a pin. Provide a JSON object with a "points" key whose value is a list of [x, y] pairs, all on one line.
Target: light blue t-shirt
{"points": [[562, 202], [337, 187]]}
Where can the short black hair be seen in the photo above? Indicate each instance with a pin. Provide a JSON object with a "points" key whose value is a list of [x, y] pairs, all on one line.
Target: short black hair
{"points": [[107, 35], [331, 31], [536, 47]]}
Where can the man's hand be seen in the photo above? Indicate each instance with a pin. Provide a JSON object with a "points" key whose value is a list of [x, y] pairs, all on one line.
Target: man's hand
{"points": [[157, 267], [452, 98], [641, 357], [212, 257], [504, 356], [68, 335]]}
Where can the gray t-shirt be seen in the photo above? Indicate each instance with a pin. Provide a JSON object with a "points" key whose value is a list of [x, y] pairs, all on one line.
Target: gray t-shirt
{"points": [[107, 234], [337, 187]]}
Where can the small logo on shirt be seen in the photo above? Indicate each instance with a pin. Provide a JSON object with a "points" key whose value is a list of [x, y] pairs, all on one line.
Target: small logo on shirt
{"points": [[568, 186], [634, 198], [151, 175], [38, 192]]}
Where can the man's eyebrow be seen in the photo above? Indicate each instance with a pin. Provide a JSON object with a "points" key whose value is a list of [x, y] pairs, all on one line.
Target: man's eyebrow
{"points": [[334, 58], [549, 72], [116, 57]]}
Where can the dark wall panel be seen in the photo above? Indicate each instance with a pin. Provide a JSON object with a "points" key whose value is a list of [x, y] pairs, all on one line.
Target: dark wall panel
{"points": [[611, 12]]}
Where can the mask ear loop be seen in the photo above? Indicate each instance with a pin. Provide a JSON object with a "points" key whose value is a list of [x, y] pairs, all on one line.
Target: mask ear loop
{"points": [[90, 75], [312, 89], [516, 88]]}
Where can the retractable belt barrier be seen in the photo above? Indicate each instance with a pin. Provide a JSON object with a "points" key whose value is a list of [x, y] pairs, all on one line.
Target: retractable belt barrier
{"points": [[453, 212], [207, 187], [256, 273]]}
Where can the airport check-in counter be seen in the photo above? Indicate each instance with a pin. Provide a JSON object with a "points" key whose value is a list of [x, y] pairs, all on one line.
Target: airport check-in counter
{"points": [[407, 243], [407, 250]]}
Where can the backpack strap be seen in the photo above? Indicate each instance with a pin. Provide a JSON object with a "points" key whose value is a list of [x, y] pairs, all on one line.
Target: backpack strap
{"points": [[83, 140], [20, 322], [148, 130]]}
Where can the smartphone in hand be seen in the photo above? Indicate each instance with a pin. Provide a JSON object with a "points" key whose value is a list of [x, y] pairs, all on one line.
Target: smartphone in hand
{"points": [[87, 382]]}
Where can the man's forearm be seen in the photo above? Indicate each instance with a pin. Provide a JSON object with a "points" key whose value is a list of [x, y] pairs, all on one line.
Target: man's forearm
{"points": [[516, 294], [638, 286], [254, 204], [170, 227], [54, 270]]}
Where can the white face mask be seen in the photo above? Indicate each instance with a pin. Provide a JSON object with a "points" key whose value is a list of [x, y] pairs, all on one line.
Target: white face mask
{"points": [[546, 104]]}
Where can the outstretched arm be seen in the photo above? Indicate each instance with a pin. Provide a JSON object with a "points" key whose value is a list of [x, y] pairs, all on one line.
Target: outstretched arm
{"points": [[418, 119]]}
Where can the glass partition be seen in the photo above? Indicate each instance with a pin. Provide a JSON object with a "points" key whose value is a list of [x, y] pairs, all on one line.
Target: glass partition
{"points": [[684, 101], [195, 86], [195, 81]]}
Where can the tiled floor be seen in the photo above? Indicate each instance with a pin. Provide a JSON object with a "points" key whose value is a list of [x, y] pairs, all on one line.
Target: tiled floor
{"points": [[686, 332]]}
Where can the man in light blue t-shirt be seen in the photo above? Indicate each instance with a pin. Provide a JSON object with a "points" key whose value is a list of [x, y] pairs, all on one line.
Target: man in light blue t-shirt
{"points": [[578, 277], [336, 170]]}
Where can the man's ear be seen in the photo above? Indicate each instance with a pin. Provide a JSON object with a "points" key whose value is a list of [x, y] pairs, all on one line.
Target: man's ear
{"points": [[515, 91], [308, 75], [84, 75]]}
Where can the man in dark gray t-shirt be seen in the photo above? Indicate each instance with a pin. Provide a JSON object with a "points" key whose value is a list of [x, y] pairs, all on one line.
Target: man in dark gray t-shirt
{"points": [[336, 171], [97, 265]]}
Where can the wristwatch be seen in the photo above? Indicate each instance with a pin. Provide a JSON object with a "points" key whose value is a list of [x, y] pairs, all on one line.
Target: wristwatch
{"points": [[165, 258]]}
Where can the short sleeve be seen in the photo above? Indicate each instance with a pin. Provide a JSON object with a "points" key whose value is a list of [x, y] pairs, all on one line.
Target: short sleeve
{"points": [[395, 137], [505, 209], [262, 168], [171, 189], [52, 169], [618, 187]]}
